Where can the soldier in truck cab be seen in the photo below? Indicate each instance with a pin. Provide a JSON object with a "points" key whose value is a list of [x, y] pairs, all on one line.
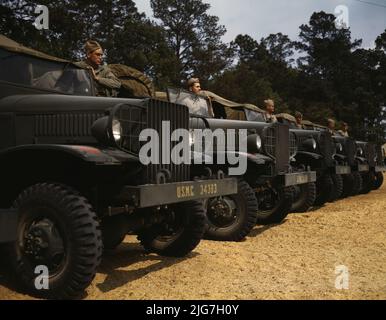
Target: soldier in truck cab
{"points": [[197, 106], [331, 126], [299, 119], [269, 111], [344, 131], [107, 83]]}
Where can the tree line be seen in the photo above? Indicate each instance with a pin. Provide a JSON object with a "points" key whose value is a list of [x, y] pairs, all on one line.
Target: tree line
{"points": [[333, 77]]}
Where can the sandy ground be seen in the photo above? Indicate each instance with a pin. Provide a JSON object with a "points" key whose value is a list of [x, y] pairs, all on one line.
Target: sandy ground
{"points": [[294, 260]]}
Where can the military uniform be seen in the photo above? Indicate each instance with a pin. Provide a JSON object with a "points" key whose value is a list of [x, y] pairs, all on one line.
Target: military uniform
{"points": [[271, 118], [343, 133], [107, 84]]}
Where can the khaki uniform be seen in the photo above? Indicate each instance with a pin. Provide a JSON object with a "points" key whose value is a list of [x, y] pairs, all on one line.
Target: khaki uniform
{"points": [[108, 84], [269, 117], [344, 134]]}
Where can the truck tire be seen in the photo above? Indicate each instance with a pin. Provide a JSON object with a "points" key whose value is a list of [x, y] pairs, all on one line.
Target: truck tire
{"points": [[367, 182], [231, 218], [378, 181], [58, 229], [304, 198], [179, 234], [324, 189], [358, 184], [348, 184], [337, 188], [275, 206]]}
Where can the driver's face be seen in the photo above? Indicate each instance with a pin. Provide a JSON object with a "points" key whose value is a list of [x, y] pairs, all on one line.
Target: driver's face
{"points": [[96, 57], [195, 88], [270, 108]]}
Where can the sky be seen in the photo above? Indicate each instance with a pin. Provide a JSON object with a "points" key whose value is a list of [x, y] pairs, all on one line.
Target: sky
{"points": [[259, 18]]}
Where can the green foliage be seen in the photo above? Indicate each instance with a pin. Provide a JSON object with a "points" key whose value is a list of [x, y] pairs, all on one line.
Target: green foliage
{"points": [[194, 37]]}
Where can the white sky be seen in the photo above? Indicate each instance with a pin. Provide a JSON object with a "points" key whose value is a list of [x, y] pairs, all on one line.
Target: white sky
{"points": [[259, 18]]}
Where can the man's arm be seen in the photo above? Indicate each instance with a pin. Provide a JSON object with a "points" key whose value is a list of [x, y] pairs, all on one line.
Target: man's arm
{"points": [[107, 79]]}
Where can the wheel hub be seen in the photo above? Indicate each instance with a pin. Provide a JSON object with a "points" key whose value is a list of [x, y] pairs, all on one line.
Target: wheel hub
{"points": [[43, 244], [267, 199], [221, 211]]}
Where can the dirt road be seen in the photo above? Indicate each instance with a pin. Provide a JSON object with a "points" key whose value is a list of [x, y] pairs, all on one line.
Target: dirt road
{"points": [[295, 260]]}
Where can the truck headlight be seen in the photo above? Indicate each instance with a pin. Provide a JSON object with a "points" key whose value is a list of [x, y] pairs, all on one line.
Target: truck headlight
{"points": [[254, 143], [310, 144], [116, 130], [360, 152], [258, 142], [192, 138], [339, 147]]}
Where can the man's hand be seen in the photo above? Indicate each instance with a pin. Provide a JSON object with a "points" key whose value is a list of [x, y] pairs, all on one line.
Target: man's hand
{"points": [[96, 78]]}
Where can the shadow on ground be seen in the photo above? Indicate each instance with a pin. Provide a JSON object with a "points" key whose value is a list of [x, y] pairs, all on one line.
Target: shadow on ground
{"points": [[130, 254], [260, 229]]}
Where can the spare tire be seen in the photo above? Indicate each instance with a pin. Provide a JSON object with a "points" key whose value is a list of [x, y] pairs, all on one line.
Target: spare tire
{"points": [[134, 83]]}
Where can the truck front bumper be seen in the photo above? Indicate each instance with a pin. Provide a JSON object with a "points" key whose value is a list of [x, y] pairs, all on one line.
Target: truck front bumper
{"points": [[380, 169], [363, 168], [8, 225], [146, 196], [292, 179], [342, 170]]}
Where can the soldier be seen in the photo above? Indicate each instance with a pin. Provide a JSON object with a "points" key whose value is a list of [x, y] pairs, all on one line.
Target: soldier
{"points": [[197, 106], [331, 126], [344, 131], [269, 111], [107, 83], [299, 120]]}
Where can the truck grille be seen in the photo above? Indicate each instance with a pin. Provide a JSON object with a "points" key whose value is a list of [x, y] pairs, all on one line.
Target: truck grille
{"points": [[293, 145], [134, 119], [379, 155], [282, 150], [269, 140], [178, 117], [370, 153], [351, 150], [326, 147]]}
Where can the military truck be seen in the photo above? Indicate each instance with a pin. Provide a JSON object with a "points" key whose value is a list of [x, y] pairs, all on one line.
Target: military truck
{"points": [[265, 190], [348, 153], [319, 150], [380, 166], [70, 169], [315, 151], [371, 154]]}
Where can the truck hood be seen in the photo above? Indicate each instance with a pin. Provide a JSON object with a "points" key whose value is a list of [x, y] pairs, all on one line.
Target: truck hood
{"points": [[57, 103]]}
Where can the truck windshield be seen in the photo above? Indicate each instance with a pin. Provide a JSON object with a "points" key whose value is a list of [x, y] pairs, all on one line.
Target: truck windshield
{"points": [[253, 115], [44, 74]]}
